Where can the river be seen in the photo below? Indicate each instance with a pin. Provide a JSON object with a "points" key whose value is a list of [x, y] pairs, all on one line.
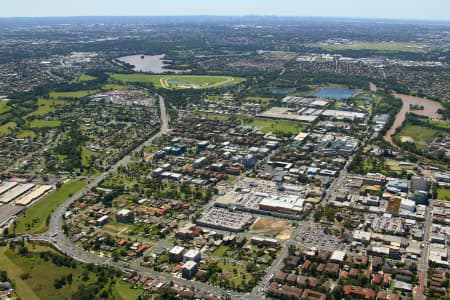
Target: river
{"points": [[430, 110]]}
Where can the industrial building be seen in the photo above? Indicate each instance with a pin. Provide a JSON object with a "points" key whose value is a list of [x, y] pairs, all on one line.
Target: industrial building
{"points": [[16, 192], [36, 194]]}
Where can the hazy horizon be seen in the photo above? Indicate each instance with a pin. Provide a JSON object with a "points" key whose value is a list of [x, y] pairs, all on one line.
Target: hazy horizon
{"points": [[432, 10]]}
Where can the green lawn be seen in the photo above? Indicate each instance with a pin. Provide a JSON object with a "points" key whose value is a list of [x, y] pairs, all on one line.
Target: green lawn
{"points": [[178, 81], [220, 252], [123, 290], [376, 46], [234, 276], [46, 106], [71, 95], [5, 129], [3, 107], [85, 77], [443, 193], [440, 124], [110, 86], [45, 123], [395, 166], [420, 134], [43, 274], [86, 156], [23, 134], [34, 219]]}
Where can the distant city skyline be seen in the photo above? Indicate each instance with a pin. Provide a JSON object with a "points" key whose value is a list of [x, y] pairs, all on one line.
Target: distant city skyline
{"points": [[388, 9]]}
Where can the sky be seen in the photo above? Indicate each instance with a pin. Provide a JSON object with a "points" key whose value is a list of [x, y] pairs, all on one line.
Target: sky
{"points": [[389, 9]]}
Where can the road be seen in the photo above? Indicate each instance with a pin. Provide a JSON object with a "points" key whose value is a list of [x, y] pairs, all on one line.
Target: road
{"points": [[56, 221], [56, 236], [422, 265]]}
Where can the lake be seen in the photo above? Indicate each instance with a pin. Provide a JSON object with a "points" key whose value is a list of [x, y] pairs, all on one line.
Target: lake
{"points": [[147, 63], [335, 93]]}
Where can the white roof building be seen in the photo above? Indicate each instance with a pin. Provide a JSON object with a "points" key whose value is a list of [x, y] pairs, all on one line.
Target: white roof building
{"points": [[338, 256]]}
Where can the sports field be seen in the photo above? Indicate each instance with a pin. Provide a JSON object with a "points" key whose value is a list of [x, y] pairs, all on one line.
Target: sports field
{"points": [[375, 46], [179, 81]]}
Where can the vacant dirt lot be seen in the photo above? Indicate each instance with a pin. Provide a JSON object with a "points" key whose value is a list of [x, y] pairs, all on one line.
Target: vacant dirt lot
{"points": [[274, 228]]}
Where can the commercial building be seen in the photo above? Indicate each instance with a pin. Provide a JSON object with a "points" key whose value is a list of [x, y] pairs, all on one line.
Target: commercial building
{"points": [[287, 204]]}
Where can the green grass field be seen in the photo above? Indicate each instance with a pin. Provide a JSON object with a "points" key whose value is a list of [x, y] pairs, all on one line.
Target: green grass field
{"points": [[376, 46], [46, 106], [443, 193], [24, 134], [220, 251], [395, 166], [71, 95], [123, 290], [440, 124], [86, 156], [85, 77], [45, 124], [420, 134], [178, 81], [234, 273], [5, 129], [3, 107], [43, 274], [34, 219], [110, 87]]}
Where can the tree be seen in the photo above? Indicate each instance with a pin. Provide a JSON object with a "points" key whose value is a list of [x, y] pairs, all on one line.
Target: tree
{"points": [[23, 250]]}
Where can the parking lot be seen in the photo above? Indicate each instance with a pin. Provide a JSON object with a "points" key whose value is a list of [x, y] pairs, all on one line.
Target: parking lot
{"points": [[315, 236]]}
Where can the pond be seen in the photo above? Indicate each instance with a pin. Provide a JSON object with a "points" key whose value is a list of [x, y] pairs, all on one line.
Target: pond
{"points": [[335, 93], [147, 63]]}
